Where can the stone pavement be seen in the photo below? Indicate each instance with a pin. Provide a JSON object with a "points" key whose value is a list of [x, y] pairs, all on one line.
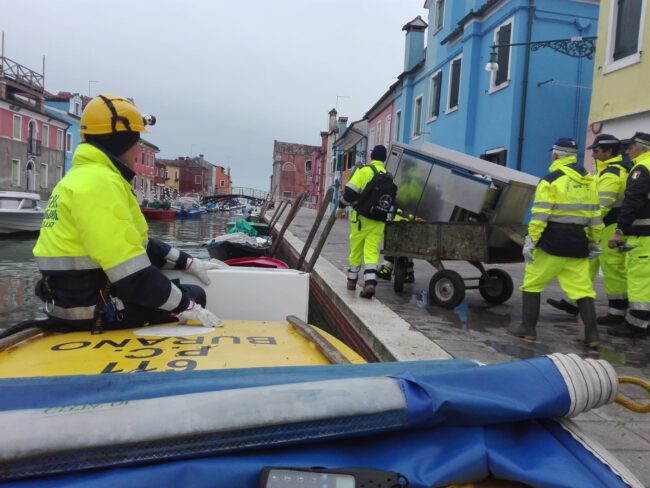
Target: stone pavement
{"points": [[476, 330]]}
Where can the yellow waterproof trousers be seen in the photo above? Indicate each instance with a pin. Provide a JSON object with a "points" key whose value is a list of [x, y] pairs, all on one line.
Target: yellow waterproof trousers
{"points": [[572, 274], [638, 279], [365, 238], [612, 262]]}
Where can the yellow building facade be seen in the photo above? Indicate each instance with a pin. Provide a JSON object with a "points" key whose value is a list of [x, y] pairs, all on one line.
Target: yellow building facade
{"points": [[620, 101]]}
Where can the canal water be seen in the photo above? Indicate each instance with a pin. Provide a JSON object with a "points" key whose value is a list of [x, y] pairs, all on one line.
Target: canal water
{"points": [[19, 273]]}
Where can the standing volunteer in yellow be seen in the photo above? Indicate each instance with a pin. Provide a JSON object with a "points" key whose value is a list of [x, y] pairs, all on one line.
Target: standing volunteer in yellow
{"points": [[365, 232], [563, 232], [99, 268]]}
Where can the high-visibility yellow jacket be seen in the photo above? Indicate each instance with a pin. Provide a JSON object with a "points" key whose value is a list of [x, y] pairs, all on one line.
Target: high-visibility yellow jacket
{"points": [[634, 218], [357, 183], [93, 232], [610, 181], [566, 213]]}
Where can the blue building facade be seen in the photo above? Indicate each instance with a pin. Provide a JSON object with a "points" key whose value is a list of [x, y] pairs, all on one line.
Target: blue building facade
{"points": [[510, 116], [68, 107]]}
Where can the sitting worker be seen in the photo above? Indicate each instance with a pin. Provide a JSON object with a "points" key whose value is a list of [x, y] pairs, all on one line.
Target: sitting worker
{"points": [[99, 268], [385, 271], [611, 175], [370, 210], [563, 232]]}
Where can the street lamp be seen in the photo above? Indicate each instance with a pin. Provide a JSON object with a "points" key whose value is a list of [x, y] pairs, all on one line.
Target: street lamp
{"points": [[576, 47]]}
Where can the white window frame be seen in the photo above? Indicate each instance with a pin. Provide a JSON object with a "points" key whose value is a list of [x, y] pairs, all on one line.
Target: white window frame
{"points": [[417, 118], [222, 183], [398, 125], [371, 138], [59, 140], [77, 108], [449, 83], [493, 74], [197, 179], [430, 116], [15, 164], [43, 174], [438, 23], [387, 130], [611, 65], [68, 142], [378, 134], [59, 173], [20, 127], [45, 137]]}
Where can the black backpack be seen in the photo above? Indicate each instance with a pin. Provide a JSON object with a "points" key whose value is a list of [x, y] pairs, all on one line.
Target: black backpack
{"points": [[378, 197]]}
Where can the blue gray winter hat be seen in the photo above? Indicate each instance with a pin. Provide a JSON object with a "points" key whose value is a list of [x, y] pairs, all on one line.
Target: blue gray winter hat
{"points": [[565, 144]]}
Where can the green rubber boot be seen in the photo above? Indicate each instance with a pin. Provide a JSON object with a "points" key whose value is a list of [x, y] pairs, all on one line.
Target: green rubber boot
{"points": [[587, 308], [529, 316]]}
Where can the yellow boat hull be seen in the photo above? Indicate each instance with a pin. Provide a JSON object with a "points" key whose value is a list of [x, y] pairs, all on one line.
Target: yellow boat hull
{"points": [[172, 347]]}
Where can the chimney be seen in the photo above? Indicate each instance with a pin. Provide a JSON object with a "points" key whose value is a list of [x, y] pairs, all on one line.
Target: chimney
{"points": [[414, 44], [343, 124], [332, 123]]}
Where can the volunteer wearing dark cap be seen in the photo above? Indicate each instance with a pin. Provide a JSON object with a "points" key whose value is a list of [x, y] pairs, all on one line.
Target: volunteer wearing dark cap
{"points": [[99, 268], [365, 232], [611, 175], [563, 232], [633, 229]]}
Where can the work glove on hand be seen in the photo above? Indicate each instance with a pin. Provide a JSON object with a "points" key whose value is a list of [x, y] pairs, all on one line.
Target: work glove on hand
{"points": [[616, 240], [527, 251], [200, 314], [340, 212], [199, 268], [594, 250]]}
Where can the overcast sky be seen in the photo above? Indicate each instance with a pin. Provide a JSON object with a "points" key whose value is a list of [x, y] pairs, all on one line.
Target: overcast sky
{"points": [[224, 78]]}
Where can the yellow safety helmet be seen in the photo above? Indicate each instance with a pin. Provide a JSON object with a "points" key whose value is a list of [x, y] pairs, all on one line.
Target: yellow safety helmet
{"points": [[108, 114]]}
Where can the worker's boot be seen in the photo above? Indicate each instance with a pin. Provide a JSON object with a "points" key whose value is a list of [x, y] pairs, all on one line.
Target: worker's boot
{"points": [[529, 316], [611, 319], [384, 272], [352, 284], [563, 305], [587, 309], [368, 291]]}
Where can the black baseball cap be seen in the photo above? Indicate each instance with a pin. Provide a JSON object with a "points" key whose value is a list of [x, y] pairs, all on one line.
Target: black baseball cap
{"points": [[604, 140], [640, 137]]}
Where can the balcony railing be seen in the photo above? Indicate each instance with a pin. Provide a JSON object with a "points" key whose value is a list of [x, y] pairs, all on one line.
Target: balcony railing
{"points": [[21, 74], [34, 147]]}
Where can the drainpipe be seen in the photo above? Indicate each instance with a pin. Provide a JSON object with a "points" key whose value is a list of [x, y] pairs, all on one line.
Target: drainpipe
{"points": [[524, 95]]}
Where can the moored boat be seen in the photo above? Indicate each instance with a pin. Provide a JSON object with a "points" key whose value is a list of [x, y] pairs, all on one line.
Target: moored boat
{"points": [[158, 213], [20, 212], [260, 403]]}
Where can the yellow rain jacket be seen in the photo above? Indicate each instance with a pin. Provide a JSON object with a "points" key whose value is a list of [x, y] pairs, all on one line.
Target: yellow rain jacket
{"points": [[566, 212], [94, 236]]}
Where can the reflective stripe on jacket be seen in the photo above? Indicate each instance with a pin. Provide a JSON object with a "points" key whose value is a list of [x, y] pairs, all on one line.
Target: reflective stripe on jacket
{"points": [[610, 181], [634, 218], [565, 212], [94, 231]]}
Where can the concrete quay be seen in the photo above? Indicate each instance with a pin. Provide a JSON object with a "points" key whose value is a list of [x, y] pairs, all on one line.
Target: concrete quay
{"points": [[401, 327]]}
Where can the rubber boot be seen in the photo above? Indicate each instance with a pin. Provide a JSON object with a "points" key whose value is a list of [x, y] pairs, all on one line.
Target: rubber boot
{"points": [[587, 308], [384, 272], [368, 291], [352, 284], [529, 316], [563, 305], [610, 319]]}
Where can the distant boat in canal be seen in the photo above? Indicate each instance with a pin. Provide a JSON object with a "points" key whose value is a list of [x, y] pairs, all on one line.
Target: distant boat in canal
{"points": [[158, 213], [20, 212]]}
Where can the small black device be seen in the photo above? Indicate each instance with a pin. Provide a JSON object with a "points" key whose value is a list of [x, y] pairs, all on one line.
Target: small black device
{"points": [[318, 477]]}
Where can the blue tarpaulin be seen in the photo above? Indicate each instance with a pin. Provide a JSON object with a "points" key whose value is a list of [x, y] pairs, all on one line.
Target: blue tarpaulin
{"points": [[454, 422]]}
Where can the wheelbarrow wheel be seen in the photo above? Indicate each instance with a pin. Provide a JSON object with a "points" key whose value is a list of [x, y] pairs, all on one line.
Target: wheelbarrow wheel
{"points": [[447, 289], [497, 287], [400, 274]]}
